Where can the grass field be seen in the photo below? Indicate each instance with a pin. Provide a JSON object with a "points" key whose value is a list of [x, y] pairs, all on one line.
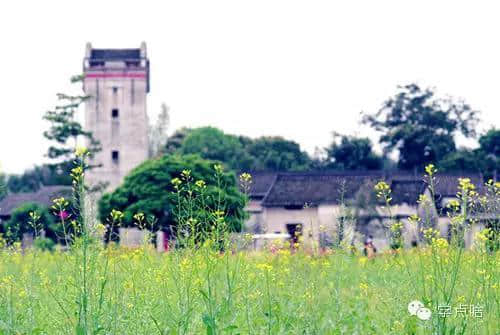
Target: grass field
{"points": [[204, 292], [438, 288]]}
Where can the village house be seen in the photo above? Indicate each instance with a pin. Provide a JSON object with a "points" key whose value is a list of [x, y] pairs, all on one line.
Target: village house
{"points": [[327, 206]]}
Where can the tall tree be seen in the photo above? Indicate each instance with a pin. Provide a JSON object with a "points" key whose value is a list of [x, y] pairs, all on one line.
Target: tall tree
{"points": [[352, 153], [277, 154], [421, 126], [174, 142], [243, 153], [150, 189], [212, 143], [485, 159], [489, 150], [158, 132], [65, 131]]}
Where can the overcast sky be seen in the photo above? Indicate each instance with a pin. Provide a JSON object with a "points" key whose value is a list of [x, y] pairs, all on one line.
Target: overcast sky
{"points": [[300, 69]]}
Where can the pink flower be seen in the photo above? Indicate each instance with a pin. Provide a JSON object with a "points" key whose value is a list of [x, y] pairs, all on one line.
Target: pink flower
{"points": [[63, 215]]}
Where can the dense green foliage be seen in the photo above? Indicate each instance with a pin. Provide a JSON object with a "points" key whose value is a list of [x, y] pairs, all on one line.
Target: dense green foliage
{"points": [[420, 126], [240, 153], [485, 159], [352, 153], [47, 174], [22, 221], [149, 189]]}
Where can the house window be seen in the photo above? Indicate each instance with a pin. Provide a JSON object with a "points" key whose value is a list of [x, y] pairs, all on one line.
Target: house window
{"points": [[115, 113], [115, 156], [115, 89]]}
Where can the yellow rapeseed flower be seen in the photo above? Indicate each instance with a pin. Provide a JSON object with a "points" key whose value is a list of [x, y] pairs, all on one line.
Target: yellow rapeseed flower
{"points": [[430, 170], [81, 151]]}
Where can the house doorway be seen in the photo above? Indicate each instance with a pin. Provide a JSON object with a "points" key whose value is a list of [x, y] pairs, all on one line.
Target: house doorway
{"points": [[295, 231]]}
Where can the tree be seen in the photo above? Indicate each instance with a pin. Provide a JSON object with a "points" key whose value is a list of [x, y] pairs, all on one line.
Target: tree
{"points": [[421, 126], [158, 133], [352, 153], [461, 160], [242, 153], [149, 189], [489, 152], [211, 143], [47, 174], [21, 222], [484, 159], [65, 131], [174, 142], [277, 154]]}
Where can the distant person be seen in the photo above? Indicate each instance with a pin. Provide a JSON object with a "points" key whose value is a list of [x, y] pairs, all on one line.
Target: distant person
{"points": [[369, 249]]}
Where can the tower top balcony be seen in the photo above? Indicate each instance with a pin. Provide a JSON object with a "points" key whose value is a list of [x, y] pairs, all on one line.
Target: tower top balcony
{"points": [[105, 60]]}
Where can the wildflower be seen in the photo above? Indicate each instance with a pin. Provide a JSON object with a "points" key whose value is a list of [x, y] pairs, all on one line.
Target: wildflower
{"points": [[423, 199], [200, 184], [440, 243], [466, 188], [176, 182], [362, 261], [264, 267], [430, 170], [81, 151], [116, 215], [34, 216], [60, 203], [414, 219], [381, 186], [484, 235], [364, 288], [186, 174], [219, 213], [453, 204], [139, 217], [396, 227], [245, 177], [430, 233], [218, 168], [76, 173], [383, 191], [100, 228], [63, 215]]}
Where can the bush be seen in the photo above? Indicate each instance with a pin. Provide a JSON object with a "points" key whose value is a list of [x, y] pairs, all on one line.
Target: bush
{"points": [[21, 222]]}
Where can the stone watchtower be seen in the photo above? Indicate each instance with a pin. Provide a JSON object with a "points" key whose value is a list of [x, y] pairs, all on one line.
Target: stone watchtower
{"points": [[117, 81]]}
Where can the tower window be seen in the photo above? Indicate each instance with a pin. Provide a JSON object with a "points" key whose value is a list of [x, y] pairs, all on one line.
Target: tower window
{"points": [[115, 89], [115, 113], [115, 156]]}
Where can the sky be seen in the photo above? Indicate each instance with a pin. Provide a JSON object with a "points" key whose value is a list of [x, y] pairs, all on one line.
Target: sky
{"points": [[298, 69]]}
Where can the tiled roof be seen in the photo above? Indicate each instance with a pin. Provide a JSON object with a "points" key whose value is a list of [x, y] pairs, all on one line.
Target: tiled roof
{"points": [[447, 185], [43, 196], [299, 189], [314, 188]]}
